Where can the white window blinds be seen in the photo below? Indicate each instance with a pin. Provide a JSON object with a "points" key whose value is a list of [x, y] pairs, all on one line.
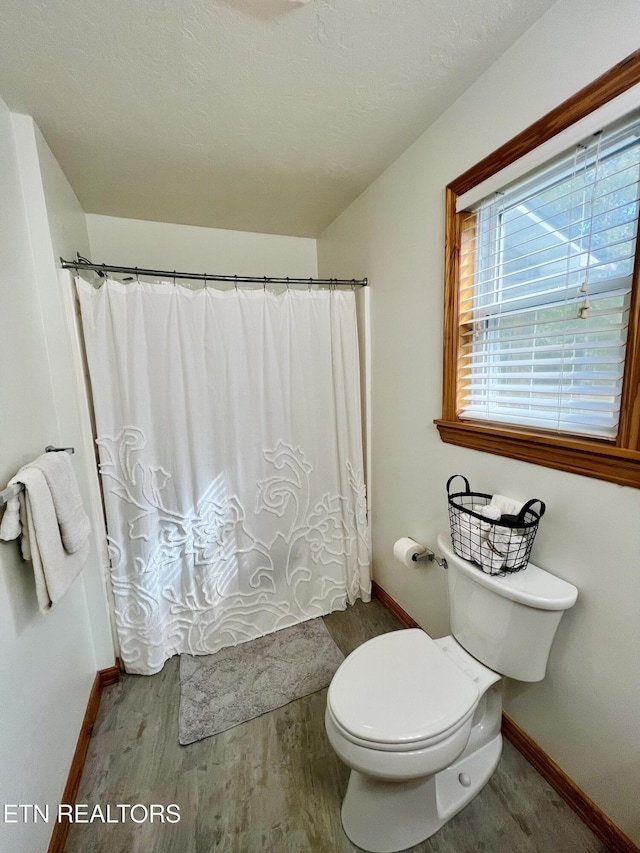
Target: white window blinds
{"points": [[546, 269]]}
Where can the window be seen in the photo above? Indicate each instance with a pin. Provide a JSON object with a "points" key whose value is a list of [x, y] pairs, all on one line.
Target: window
{"points": [[546, 291], [541, 317]]}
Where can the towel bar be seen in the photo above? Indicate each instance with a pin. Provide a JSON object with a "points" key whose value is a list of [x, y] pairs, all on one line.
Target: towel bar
{"points": [[14, 491]]}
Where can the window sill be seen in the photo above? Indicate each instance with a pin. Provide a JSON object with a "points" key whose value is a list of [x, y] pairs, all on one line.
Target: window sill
{"points": [[591, 458]]}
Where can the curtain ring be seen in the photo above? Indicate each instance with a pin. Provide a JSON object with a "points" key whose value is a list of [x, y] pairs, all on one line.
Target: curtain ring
{"points": [[174, 279], [264, 285], [309, 288], [235, 282], [287, 284], [204, 277], [353, 285], [137, 276]]}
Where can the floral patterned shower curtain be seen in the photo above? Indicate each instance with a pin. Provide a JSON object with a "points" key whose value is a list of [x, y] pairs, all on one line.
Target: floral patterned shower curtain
{"points": [[229, 433]]}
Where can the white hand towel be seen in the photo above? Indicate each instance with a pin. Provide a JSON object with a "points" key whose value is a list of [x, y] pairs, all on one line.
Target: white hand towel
{"points": [[61, 479], [14, 523], [10, 526], [507, 506], [53, 567]]}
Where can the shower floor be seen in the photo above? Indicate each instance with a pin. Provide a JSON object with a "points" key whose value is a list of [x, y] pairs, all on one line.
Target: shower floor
{"points": [[274, 783]]}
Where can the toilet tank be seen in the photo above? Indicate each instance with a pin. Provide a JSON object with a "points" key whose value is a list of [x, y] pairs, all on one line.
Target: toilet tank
{"points": [[508, 623]]}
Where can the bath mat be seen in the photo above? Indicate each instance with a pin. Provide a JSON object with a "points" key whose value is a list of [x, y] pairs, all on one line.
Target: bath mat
{"points": [[237, 684]]}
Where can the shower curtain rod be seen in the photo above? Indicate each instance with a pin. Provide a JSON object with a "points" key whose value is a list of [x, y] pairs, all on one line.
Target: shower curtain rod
{"points": [[82, 264]]}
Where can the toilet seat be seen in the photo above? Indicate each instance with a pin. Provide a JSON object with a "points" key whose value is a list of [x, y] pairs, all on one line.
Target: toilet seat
{"points": [[400, 747], [399, 693]]}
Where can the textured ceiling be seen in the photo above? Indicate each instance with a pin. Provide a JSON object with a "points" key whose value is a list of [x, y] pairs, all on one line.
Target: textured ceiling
{"points": [[257, 115]]}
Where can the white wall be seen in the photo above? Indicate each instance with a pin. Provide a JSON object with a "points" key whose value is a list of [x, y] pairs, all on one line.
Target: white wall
{"points": [[57, 228], [48, 662], [188, 248], [585, 714]]}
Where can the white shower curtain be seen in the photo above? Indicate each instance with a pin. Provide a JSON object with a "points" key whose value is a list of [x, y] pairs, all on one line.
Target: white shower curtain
{"points": [[231, 458]]}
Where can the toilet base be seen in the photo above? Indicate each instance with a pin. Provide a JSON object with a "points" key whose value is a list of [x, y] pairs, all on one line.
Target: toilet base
{"points": [[387, 817]]}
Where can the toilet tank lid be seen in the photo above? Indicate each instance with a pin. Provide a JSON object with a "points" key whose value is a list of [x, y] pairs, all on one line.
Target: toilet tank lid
{"points": [[532, 586]]}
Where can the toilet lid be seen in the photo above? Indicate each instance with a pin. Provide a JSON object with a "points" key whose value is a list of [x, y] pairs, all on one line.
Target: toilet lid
{"points": [[400, 688]]}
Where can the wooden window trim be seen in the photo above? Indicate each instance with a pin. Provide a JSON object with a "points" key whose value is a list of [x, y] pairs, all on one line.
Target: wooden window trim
{"points": [[615, 461]]}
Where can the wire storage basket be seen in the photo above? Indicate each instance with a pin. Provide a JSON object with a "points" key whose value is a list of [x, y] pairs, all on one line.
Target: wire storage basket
{"points": [[499, 544]]}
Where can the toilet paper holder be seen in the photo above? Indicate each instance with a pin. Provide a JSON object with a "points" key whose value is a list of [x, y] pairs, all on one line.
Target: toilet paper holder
{"points": [[431, 557]]}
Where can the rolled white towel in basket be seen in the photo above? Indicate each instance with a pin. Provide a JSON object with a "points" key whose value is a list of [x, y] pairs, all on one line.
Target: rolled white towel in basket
{"points": [[506, 543], [492, 512], [474, 532], [491, 560], [507, 506], [469, 537]]}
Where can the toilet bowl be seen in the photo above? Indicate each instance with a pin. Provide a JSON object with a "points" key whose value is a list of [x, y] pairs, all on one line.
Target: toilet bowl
{"points": [[418, 720]]}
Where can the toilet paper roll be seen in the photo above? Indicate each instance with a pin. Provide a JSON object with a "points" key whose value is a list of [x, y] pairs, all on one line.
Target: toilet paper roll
{"points": [[405, 548]]}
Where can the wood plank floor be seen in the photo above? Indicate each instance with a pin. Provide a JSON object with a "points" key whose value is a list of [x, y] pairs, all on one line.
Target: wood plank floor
{"points": [[274, 783]]}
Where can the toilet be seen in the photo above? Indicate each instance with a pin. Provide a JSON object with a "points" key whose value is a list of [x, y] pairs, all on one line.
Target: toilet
{"points": [[418, 720]]}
